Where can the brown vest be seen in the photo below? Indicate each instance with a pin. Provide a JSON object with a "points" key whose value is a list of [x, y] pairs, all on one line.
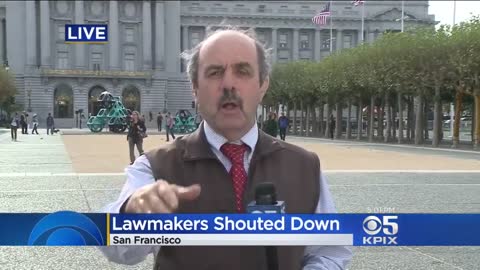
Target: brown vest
{"points": [[294, 171]]}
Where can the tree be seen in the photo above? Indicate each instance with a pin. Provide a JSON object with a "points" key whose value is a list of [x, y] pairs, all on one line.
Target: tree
{"points": [[431, 74], [7, 92], [472, 33], [464, 59], [421, 67]]}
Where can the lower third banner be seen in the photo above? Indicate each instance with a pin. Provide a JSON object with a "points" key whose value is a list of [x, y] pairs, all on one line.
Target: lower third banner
{"points": [[68, 228]]}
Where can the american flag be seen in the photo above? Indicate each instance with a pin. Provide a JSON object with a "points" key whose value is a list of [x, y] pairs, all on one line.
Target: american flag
{"points": [[321, 18], [357, 2]]}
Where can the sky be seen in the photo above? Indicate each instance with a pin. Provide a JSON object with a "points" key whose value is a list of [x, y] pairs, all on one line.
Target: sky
{"points": [[443, 10]]}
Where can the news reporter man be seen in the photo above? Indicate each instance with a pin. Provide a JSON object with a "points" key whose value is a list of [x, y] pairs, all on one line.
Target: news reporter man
{"points": [[229, 75]]}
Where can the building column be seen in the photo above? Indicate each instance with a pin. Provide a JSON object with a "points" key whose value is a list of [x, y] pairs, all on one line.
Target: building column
{"points": [[172, 31], [2, 41], [79, 48], [45, 32], [274, 45], [295, 46], [185, 43], [339, 40], [113, 39], [147, 35], [31, 33], [317, 45], [159, 35]]}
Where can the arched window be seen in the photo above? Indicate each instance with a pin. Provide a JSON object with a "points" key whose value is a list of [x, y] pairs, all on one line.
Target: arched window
{"points": [[93, 105], [63, 102], [131, 98]]}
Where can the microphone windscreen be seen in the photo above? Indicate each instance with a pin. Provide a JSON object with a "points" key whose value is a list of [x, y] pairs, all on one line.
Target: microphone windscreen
{"points": [[265, 193]]}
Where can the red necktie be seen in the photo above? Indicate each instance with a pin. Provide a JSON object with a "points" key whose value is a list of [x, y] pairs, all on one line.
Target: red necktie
{"points": [[235, 153]]}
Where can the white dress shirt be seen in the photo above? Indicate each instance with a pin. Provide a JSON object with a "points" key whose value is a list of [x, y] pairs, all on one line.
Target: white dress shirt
{"points": [[140, 174]]}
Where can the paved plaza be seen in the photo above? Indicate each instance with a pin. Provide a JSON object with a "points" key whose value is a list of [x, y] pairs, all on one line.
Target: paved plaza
{"points": [[41, 173]]}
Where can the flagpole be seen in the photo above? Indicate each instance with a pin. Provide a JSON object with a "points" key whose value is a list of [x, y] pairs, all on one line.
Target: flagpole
{"points": [[331, 27], [363, 20], [454, 10], [452, 106], [403, 13]]}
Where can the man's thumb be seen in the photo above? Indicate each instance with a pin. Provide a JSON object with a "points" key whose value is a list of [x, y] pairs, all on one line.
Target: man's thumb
{"points": [[188, 193]]}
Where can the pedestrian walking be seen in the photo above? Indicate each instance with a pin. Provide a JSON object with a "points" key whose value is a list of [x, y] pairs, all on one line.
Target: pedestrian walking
{"points": [[82, 117], [34, 124], [50, 124], [23, 123], [159, 121], [283, 123], [14, 126], [136, 133], [169, 126], [271, 125], [332, 126]]}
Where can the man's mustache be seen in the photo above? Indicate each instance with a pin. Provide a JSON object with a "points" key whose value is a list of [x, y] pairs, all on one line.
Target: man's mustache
{"points": [[230, 96]]}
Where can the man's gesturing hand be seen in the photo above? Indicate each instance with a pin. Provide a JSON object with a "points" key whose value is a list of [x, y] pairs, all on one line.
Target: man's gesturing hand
{"points": [[160, 197]]}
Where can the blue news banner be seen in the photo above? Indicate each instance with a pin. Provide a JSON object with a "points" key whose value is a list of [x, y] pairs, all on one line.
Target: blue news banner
{"points": [[68, 228]]}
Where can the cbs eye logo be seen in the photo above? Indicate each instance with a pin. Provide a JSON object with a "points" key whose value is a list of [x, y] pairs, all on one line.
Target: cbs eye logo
{"points": [[65, 228], [372, 225]]}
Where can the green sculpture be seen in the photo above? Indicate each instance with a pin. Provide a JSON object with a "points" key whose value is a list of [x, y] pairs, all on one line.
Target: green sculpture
{"points": [[184, 122], [112, 113]]}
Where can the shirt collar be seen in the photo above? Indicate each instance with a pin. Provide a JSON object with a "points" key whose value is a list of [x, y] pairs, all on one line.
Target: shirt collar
{"points": [[216, 140]]}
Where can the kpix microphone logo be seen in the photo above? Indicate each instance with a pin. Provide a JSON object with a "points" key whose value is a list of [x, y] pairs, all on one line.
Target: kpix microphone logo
{"points": [[373, 226], [65, 228]]}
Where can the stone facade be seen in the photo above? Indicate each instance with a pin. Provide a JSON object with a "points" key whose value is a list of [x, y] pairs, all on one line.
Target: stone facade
{"points": [[141, 60]]}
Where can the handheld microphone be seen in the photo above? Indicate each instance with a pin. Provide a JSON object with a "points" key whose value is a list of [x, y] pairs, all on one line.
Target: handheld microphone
{"points": [[266, 203]]}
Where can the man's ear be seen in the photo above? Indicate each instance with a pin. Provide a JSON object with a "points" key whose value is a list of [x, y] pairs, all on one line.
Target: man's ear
{"points": [[194, 92], [264, 86]]}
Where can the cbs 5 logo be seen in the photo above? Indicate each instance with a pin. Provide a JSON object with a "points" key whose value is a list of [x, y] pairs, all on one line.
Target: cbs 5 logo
{"points": [[372, 225], [66, 228]]}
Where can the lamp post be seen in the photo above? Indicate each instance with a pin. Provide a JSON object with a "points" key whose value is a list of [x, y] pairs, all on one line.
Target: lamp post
{"points": [[29, 94], [7, 68], [165, 102]]}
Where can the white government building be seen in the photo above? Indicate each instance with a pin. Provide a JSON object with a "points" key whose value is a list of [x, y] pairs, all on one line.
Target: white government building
{"points": [[141, 61]]}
